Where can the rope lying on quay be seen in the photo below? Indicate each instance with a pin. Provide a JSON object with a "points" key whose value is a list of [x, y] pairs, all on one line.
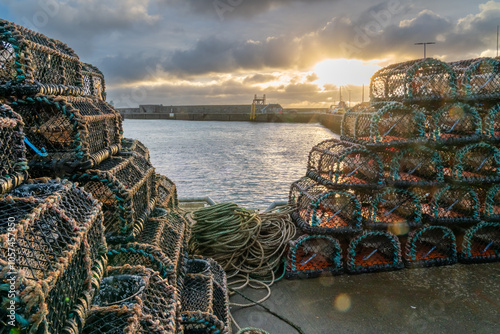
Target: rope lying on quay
{"points": [[248, 245]]}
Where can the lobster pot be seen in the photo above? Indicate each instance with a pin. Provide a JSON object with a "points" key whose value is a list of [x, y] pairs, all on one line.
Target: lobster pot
{"points": [[136, 254], [195, 322], [431, 246], [32, 63], [340, 164], [492, 204], [133, 146], [348, 125], [93, 81], [166, 192], [51, 237], [479, 79], [198, 266], [393, 125], [454, 205], [168, 232], [13, 164], [323, 211], [115, 319], [491, 125], [395, 210], [477, 164], [138, 288], [65, 134], [125, 186], [374, 251], [481, 243], [312, 256], [456, 124], [416, 166], [423, 80]]}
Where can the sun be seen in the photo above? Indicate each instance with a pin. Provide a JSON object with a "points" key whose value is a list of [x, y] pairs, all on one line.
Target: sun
{"points": [[342, 72]]}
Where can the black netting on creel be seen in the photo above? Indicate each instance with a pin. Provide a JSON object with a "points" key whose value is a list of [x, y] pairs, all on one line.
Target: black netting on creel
{"points": [[393, 124], [312, 256], [396, 210], [131, 146], [477, 163], [341, 164], [374, 251], [416, 166], [166, 192], [68, 133], [321, 210], [32, 63], [455, 205], [478, 78], [419, 80], [220, 298], [431, 246], [93, 81], [167, 230], [456, 124], [58, 244], [129, 287], [481, 243], [125, 186], [13, 163], [491, 123]]}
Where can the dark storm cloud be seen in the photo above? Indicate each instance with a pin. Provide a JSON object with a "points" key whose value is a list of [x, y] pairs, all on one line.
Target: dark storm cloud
{"points": [[238, 8]]}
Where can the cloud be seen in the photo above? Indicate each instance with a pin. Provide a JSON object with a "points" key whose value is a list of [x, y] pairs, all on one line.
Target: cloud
{"points": [[238, 8], [259, 78]]}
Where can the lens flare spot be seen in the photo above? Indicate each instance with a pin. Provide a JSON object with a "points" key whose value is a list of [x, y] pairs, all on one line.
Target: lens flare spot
{"points": [[399, 229], [342, 303], [457, 112]]}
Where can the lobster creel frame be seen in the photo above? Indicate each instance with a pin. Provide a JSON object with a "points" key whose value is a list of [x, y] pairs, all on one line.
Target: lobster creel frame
{"points": [[339, 164], [431, 246], [59, 245], [481, 243], [65, 134], [312, 256]]}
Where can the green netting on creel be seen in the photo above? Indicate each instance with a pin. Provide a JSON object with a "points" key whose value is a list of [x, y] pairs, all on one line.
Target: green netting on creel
{"points": [[456, 124], [126, 187], [419, 80], [166, 192], [374, 251], [492, 125], [476, 164], [416, 166], [320, 210], [13, 163], [32, 63], [341, 164], [66, 133], [396, 210], [478, 79], [196, 322], [454, 205], [93, 81], [132, 286], [51, 247], [131, 146], [312, 256], [431, 246], [481, 243], [220, 298], [492, 204]]}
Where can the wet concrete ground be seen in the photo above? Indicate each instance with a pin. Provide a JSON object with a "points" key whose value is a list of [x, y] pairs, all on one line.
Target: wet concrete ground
{"points": [[451, 299]]}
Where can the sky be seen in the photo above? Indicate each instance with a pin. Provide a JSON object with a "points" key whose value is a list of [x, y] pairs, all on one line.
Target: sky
{"points": [[297, 52]]}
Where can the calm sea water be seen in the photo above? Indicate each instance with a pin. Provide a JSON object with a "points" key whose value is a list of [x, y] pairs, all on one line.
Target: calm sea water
{"points": [[252, 164]]}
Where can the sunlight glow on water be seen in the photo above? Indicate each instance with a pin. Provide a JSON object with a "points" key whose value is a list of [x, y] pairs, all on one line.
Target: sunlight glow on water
{"points": [[251, 164]]}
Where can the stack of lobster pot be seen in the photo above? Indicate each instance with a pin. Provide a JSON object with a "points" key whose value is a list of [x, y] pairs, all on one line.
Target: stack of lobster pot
{"points": [[54, 234], [414, 179]]}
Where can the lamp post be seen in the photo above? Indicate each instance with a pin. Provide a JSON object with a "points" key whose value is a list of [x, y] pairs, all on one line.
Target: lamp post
{"points": [[425, 46]]}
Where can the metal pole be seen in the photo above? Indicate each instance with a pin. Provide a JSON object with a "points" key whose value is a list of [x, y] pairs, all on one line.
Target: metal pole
{"points": [[425, 47], [498, 26]]}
